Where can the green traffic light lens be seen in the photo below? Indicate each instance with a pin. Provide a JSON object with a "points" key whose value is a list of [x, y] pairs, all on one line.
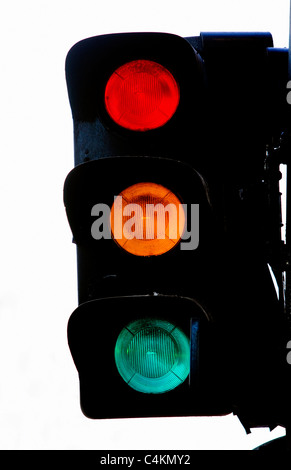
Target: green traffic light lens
{"points": [[152, 356]]}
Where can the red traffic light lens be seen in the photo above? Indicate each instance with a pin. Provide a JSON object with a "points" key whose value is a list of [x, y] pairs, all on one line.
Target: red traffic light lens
{"points": [[141, 95]]}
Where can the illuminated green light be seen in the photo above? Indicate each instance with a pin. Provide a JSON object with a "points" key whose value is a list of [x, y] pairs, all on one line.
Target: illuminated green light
{"points": [[152, 356]]}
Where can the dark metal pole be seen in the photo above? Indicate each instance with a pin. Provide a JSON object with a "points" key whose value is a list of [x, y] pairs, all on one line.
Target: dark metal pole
{"points": [[287, 152], [288, 224]]}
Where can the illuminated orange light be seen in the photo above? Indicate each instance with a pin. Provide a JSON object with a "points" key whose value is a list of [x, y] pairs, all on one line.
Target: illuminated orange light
{"points": [[147, 219]]}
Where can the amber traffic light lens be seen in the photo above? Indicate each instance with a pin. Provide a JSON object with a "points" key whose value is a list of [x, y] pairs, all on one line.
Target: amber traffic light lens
{"points": [[147, 219], [141, 95]]}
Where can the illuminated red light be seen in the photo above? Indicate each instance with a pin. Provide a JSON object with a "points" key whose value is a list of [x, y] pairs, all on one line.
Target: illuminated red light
{"points": [[141, 95]]}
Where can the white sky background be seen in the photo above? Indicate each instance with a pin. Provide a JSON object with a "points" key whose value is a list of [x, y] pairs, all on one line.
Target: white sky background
{"points": [[39, 386]]}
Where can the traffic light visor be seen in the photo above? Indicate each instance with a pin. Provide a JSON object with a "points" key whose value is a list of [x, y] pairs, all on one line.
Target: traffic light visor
{"points": [[147, 219], [152, 355], [141, 95]]}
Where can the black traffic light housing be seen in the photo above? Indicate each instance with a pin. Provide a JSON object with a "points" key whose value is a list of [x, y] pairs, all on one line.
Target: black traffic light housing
{"points": [[212, 154], [89, 65]]}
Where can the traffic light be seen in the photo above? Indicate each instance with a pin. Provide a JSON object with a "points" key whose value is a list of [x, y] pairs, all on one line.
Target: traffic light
{"points": [[175, 224]]}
